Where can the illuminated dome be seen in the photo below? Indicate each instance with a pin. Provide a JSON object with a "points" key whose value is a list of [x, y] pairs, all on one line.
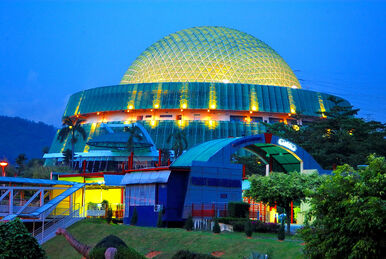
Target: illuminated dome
{"points": [[211, 54]]}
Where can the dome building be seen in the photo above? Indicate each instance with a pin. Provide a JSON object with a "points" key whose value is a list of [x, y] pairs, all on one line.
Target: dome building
{"points": [[211, 82]]}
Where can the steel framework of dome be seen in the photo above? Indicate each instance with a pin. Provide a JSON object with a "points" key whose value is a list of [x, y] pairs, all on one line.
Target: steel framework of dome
{"points": [[211, 54]]}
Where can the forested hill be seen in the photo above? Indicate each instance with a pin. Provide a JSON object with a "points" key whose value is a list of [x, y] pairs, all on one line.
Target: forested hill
{"points": [[19, 135]]}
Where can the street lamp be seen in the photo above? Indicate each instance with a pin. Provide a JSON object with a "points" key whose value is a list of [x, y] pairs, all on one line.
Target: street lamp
{"points": [[3, 165]]}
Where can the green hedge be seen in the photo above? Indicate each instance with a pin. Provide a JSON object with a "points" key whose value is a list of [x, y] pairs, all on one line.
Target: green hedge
{"points": [[16, 242], [257, 226], [238, 209], [185, 254]]}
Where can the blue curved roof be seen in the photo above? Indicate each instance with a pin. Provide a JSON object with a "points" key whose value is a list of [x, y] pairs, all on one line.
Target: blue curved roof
{"points": [[202, 152]]}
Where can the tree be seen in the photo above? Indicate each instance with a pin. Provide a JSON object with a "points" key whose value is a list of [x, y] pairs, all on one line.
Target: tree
{"points": [[179, 142], [17, 242], [189, 223], [67, 155], [216, 227], [337, 139], [280, 189], [160, 223], [72, 126], [134, 217], [248, 228], [253, 164], [349, 214], [135, 134], [20, 162]]}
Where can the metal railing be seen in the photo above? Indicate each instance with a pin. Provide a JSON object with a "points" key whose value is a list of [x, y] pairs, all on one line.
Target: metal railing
{"points": [[63, 220]]}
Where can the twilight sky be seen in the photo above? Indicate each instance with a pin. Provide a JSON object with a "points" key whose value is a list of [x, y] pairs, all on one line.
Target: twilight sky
{"points": [[52, 49]]}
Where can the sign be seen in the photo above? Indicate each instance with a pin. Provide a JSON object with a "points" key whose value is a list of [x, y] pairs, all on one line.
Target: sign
{"points": [[287, 144]]}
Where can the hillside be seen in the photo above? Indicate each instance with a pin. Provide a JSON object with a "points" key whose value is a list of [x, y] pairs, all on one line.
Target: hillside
{"points": [[19, 135]]}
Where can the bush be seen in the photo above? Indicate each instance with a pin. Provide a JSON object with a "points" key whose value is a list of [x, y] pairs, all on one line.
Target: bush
{"points": [[16, 242], [237, 223], [189, 223], [134, 217], [238, 209], [248, 228], [261, 227], [98, 252], [160, 223], [109, 215], [185, 254], [216, 227], [281, 233]]}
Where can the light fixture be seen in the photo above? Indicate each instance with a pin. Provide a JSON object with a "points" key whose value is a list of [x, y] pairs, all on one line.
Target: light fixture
{"points": [[3, 165], [184, 106], [156, 106]]}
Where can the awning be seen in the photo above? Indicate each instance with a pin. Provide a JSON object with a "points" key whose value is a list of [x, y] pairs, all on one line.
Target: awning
{"points": [[146, 177], [113, 180]]}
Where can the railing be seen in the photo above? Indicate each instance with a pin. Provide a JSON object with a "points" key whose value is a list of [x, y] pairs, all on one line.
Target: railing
{"points": [[64, 220], [205, 210]]}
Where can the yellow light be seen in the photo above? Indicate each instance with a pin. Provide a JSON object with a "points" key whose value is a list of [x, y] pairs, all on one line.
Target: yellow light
{"points": [[208, 110], [293, 110], [70, 127], [184, 106], [250, 111], [98, 113], [182, 110], [131, 107], [156, 106], [213, 106], [210, 123], [295, 127], [152, 123], [254, 108]]}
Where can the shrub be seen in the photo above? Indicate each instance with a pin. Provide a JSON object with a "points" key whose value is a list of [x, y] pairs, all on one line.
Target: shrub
{"points": [[238, 209], [185, 254], [189, 223], [238, 226], [281, 233], [160, 223], [216, 227], [248, 228], [16, 242], [229, 220], [109, 215], [134, 217], [261, 227]]}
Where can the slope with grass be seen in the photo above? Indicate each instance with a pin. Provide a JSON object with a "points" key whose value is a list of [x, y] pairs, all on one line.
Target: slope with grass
{"points": [[169, 241]]}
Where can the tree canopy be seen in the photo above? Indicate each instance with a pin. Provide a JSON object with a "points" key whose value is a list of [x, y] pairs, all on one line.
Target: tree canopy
{"points": [[338, 139], [280, 189], [349, 213]]}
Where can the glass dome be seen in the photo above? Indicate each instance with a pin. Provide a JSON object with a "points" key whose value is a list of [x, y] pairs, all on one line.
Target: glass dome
{"points": [[211, 54]]}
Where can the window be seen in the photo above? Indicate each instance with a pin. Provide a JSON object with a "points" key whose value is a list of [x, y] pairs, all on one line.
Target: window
{"points": [[166, 116], [148, 116], [256, 119], [140, 195], [236, 118], [196, 117], [179, 117], [274, 120]]}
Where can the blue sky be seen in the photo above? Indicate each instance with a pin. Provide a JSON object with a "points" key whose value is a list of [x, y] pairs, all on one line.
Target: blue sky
{"points": [[51, 49]]}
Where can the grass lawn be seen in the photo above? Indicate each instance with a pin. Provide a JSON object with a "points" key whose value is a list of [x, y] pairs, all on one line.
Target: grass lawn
{"points": [[169, 241]]}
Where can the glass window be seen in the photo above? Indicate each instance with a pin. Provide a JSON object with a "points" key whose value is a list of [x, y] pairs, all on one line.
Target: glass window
{"points": [[140, 195]]}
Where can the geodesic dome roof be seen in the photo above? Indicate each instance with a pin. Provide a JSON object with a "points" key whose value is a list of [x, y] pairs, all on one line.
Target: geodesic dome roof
{"points": [[211, 54]]}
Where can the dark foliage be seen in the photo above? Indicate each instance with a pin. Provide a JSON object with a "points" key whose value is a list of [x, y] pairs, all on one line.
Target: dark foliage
{"points": [[109, 215], [238, 209], [261, 227], [248, 228], [281, 233], [253, 164], [189, 223], [160, 223], [216, 227], [338, 139], [123, 251], [16, 242], [19, 135], [185, 254], [134, 217]]}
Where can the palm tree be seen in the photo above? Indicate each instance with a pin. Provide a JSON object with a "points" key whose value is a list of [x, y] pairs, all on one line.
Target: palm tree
{"points": [[71, 126], [179, 142], [135, 133], [20, 159]]}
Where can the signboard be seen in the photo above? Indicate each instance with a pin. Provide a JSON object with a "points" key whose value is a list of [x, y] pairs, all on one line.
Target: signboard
{"points": [[287, 144]]}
